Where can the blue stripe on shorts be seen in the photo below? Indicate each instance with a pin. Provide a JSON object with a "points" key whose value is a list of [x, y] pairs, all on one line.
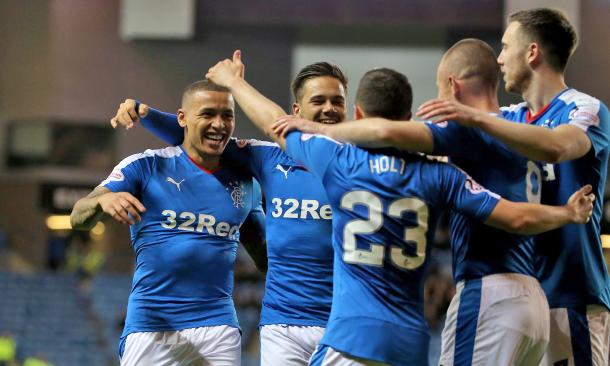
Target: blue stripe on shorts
{"points": [[579, 336], [467, 320], [318, 356]]}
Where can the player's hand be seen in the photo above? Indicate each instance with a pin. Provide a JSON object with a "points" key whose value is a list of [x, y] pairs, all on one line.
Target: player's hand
{"points": [[442, 110], [285, 124], [581, 204], [225, 72], [127, 115], [122, 206]]}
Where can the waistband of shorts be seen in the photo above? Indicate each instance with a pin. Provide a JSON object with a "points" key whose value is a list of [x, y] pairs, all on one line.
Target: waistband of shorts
{"points": [[504, 278]]}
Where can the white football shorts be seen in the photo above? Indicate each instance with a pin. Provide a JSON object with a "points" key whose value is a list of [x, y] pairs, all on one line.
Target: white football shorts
{"points": [[213, 346], [501, 319]]}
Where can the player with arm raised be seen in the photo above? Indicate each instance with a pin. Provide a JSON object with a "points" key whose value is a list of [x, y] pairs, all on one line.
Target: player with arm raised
{"points": [[385, 205], [569, 131], [494, 279], [407, 342], [298, 286], [180, 309]]}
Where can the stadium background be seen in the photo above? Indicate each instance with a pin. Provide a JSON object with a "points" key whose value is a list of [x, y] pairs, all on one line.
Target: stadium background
{"points": [[65, 65]]}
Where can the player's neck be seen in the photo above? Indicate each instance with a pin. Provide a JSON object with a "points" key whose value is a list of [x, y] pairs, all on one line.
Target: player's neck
{"points": [[544, 86], [208, 163], [484, 101]]}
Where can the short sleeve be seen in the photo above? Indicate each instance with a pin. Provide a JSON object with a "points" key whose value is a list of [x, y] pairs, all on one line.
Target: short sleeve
{"points": [[591, 116], [130, 174], [315, 152], [252, 155], [463, 194], [451, 139]]}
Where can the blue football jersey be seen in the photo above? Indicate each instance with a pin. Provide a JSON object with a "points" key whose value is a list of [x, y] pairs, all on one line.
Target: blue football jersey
{"points": [[185, 244], [298, 286], [385, 204], [480, 250], [570, 261]]}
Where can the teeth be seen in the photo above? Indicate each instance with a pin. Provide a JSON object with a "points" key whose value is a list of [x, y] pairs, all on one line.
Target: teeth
{"points": [[214, 137]]}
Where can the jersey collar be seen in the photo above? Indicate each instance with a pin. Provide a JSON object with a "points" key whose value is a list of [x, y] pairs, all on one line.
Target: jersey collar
{"points": [[199, 166], [529, 119]]}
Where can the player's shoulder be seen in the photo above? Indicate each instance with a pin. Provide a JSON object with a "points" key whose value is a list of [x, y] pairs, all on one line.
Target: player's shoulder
{"points": [[583, 108], [513, 109], [254, 143], [152, 154], [578, 99], [310, 136], [454, 174], [440, 165]]}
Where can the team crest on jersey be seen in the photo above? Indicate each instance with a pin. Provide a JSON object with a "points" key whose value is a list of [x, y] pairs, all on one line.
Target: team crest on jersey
{"points": [[241, 143], [237, 194], [473, 186]]}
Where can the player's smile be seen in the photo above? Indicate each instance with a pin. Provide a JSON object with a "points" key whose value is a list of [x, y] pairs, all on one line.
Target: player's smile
{"points": [[215, 140], [328, 118]]}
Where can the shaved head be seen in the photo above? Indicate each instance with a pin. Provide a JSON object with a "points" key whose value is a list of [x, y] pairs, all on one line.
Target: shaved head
{"points": [[472, 60], [201, 85]]}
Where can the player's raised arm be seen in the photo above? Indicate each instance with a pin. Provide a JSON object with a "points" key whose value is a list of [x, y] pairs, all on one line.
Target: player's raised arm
{"points": [[121, 206], [369, 132], [566, 142], [162, 124], [530, 218], [259, 109], [129, 112]]}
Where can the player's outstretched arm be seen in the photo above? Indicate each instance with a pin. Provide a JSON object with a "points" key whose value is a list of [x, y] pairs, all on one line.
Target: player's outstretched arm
{"points": [[566, 142], [252, 237], [120, 206], [530, 218], [162, 124], [259, 109], [370, 132]]}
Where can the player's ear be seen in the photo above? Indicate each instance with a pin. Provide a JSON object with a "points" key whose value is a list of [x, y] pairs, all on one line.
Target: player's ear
{"points": [[181, 118], [296, 109], [358, 114], [534, 54], [454, 85]]}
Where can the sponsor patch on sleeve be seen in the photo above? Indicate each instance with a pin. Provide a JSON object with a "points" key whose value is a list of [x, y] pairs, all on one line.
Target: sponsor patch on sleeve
{"points": [[241, 143], [115, 176], [473, 186], [585, 116], [306, 136]]}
